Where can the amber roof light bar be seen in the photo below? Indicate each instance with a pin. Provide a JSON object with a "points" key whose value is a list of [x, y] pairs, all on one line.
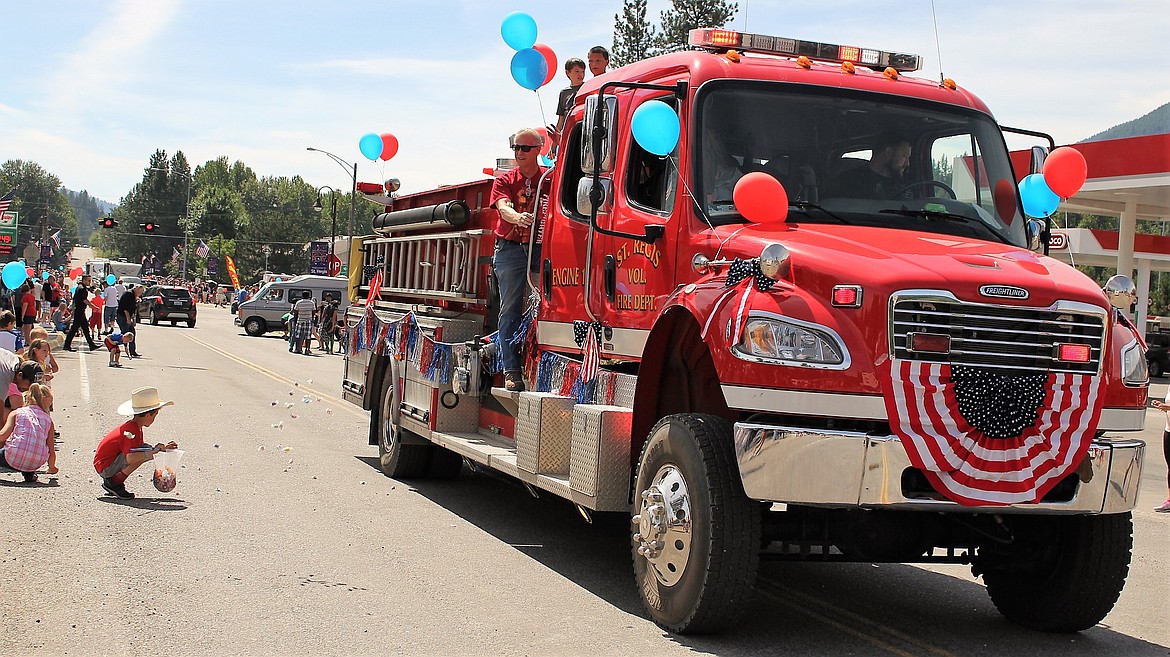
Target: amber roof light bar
{"points": [[716, 39]]}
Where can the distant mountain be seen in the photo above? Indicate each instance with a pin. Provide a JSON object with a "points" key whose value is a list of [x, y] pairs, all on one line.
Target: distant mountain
{"points": [[88, 209], [1156, 122]]}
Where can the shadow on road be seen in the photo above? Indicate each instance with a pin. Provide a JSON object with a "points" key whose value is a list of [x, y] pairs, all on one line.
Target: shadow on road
{"points": [[797, 608], [50, 482], [148, 503]]}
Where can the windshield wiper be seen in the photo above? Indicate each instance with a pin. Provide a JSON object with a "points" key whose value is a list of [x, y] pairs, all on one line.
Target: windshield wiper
{"points": [[929, 214], [805, 206]]}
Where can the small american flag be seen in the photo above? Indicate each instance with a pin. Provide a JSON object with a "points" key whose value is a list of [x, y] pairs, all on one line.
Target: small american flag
{"points": [[202, 250], [926, 406], [6, 201], [591, 356], [375, 288], [56, 237], [175, 254]]}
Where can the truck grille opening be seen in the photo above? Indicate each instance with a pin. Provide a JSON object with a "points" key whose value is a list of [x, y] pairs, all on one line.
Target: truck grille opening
{"points": [[1010, 339], [915, 486]]}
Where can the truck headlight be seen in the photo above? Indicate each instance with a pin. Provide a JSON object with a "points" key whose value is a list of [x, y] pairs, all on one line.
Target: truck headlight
{"points": [[791, 342], [1133, 365]]}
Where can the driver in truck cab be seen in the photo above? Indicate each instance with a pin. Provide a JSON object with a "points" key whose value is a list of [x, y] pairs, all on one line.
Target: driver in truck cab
{"points": [[882, 177]]}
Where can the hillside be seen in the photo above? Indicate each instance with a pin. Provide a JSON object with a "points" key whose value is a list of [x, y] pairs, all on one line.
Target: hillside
{"points": [[1156, 122]]}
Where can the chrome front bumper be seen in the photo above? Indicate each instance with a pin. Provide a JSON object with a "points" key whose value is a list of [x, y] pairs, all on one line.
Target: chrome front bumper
{"points": [[850, 469]]}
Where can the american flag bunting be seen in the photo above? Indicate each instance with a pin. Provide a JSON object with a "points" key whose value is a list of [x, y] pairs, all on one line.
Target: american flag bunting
{"points": [[202, 250]]}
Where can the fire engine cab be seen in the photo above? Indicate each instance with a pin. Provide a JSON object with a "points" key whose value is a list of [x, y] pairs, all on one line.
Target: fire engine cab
{"points": [[863, 369]]}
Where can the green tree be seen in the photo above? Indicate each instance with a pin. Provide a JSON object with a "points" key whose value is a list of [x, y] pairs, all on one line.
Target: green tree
{"points": [[687, 15], [42, 206], [633, 36]]}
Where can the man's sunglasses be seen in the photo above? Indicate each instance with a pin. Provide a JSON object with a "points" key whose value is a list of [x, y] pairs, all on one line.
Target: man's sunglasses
{"points": [[524, 148]]}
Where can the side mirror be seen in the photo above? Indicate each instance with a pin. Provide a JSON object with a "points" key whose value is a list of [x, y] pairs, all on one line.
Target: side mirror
{"points": [[1121, 291], [608, 111], [1039, 154], [585, 196], [1036, 235]]}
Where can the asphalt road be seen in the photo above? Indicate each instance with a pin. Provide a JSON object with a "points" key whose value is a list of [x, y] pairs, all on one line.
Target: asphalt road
{"points": [[287, 540]]}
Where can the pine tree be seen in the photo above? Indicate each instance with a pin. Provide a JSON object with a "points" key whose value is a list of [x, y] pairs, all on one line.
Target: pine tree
{"points": [[633, 37], [686, 15]]}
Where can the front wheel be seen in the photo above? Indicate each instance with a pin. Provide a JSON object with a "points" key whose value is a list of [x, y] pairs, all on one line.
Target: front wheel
{"points": [[1060, 573], [154, 318], [255, 327], [696, 534], [399, 453]]}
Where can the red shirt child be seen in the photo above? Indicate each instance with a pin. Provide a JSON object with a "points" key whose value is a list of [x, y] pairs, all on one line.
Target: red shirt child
{"points": [[123, 449]]}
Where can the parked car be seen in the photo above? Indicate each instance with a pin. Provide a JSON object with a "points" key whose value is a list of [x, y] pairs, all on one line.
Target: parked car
{"points": [[264, 311], [167, 303], [1158, 355]]}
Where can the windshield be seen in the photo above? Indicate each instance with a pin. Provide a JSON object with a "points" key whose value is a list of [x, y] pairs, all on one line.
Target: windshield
{"points": [[858, 158]]}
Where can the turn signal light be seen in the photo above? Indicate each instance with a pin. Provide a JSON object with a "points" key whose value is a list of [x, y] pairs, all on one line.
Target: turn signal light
{"points": [[1074, 353], [932, 343], [847, 296]]}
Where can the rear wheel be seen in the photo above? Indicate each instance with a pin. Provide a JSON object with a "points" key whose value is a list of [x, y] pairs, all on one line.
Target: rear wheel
{"points": [[697, 535], [399, 452], [190, 323], [154, 317], [445, 464], [1060, 573], [255, 327]]}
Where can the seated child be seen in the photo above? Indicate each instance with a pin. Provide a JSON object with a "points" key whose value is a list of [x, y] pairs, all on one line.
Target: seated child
{"points": [[60, 317], [26, 440], [114, 342], [10, 337], [40, 352], [122, 450]]}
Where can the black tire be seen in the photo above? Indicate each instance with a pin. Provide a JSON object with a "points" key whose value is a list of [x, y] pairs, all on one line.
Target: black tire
{"points": [[190, 323], [720, 563], [400, 460], [255, 327], [154, 317], [1155, 368], [1074, 568], [174, 322], [445, 464]]}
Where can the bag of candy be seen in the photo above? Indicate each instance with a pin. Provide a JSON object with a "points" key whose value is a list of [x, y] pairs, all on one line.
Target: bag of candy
{"points": [[166, 467]]}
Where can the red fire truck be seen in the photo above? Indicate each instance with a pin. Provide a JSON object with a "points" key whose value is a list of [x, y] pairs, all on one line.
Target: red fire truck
{"points": [[895, 377]]}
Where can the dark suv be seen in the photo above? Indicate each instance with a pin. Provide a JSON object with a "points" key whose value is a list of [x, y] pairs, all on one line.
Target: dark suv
{"points": [[167, 302], [1157, 357]]}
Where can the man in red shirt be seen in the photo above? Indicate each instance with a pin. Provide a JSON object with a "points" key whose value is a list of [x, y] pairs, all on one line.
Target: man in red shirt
{"points": [[123, 449], [514, 194]]}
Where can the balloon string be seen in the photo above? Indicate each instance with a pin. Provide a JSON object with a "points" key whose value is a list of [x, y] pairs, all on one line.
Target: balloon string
{"points": [[543, 121]]}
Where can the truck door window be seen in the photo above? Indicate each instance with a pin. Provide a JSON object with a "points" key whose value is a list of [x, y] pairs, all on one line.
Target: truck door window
{"points": [[275, 294], [652, 180]]}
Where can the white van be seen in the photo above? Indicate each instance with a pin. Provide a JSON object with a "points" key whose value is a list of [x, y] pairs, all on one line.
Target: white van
{"points": [[264, 312]]}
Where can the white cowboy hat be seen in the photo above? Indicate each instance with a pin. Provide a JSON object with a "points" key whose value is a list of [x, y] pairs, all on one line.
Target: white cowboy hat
{"points": [[141, 401]]}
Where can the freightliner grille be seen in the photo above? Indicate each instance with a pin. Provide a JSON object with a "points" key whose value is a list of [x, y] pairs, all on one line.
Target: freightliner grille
{"points": [[1003, 338]]}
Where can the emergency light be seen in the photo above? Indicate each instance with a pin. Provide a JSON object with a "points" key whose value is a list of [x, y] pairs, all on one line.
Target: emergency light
{"points": [[715, 39]]}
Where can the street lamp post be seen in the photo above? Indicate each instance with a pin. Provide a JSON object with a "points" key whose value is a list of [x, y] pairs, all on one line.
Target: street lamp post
{"points": [[352, 193], [317, 206], [267, 252]]}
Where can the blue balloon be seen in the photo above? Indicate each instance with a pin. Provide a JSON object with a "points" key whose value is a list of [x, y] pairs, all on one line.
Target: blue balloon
{"points": [[529, 68], [518, 30], [370, 145], [110, 280], [544, 161], [655, 127], [1039, 201], [44, 276], [14, 275], [72, 289]]}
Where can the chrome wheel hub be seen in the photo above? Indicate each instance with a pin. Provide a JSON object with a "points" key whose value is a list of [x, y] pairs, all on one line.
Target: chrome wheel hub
{"points": [[662, 528]]}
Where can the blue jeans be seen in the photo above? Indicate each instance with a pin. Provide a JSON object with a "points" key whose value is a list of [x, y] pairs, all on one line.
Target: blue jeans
{"points": [[509, 262], [126, 327]]}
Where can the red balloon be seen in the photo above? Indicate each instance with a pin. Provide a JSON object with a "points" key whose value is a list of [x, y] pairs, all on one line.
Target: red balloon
{"points": [[546, 147], [30, 271], [1005, 200], [760, 198], [550, 58], [1065, 171], [389, 146], [75, 272]]}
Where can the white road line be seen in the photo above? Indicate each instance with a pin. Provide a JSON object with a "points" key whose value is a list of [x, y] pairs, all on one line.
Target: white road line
{"points": [[84, 378]]}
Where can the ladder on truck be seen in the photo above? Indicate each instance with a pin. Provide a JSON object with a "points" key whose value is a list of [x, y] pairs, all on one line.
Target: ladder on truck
{"points": [[432, 266]]}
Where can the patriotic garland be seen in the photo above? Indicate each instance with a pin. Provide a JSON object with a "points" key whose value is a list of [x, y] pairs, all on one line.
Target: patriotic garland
{"points": [[405, 340]]}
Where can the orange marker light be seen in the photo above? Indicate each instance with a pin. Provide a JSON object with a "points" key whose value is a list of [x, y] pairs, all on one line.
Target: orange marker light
{"points": [[891, 73], [804, 62], [950, 84], [732, 56], [848, 67], [1074, 353]]}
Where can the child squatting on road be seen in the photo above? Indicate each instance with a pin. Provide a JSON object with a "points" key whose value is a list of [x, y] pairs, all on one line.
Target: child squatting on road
{"points": [[123, 449], [26, 440], [114, 342]]}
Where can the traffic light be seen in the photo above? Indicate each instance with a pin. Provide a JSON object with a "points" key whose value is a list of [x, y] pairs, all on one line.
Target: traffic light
{"points": [[149, 226], [108, 222]]}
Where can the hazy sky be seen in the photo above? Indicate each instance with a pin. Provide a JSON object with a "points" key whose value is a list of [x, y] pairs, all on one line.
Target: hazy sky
{"points": [[89, 89]]}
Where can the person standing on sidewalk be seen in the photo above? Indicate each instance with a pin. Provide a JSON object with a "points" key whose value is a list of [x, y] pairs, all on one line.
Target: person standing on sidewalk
{"points": [[80, 320], [1164, 406], [127, 314]]}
